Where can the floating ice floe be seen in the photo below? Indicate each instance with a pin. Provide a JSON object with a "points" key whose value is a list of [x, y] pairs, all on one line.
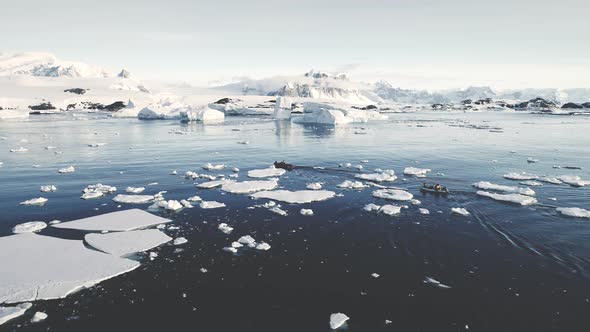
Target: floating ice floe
{"points": [[235, 170], [520, 176], [35, 201], [213, 184], [246, 239], [306, 212], [277, 209], [169, 205], [387, 209], [194, 199], [133, 199], [266, 172], [512, 198], [29, 227], [573, 180], [263, 246], [36, 267], [423, 211], [550, 179], [69, 169], [97, 190], [202, 114], [508, 189], [38, 317], [179, 240], [96, 145], [225, 228], [460, 211], [135, 190], [393, 194], [19, 150], [531, 183], [419, 172], [211, 167], [8, 313], [434, 282], [119, 221], [48, 189], [337, 320], [125, 243], [211, 205], [347, 184], [248, 187], [314, 186], [295, 197], [319, 113], [385, 176], [574, 212]]}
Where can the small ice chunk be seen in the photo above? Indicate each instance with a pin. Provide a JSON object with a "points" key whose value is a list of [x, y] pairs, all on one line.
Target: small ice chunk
{"points": [[372, 207], [235, 170], [532, 160], [118, 221], [351, 185], [314, 186], [35, 201], [550, 179], [306, 212], [92, 194], [69, 169], [419, 172], [375, 275], [135, 190], [213, 184], [174, 172], [423, 211], [172, 205], [295, 197], [211, 167], [179, 240], [38, 316], [415, 201], [153, 255], [337, 320], [230, 249], [29, 227], [460, 211], [225, 228], [508, 189], [432, 281], [386, 176], [512, 198], [19, 150], [390, 210], [278, 210], [211, 205], [266, 172], [186, 203], [194, 199], [248, 187], [246, 239], [574, 212], [8, 313], [48, 189], [262, 246], [236, 244], [393, 194]]}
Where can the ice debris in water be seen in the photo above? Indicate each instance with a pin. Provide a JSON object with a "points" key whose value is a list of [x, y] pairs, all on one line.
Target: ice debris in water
{"points": [[213, 184], [35, 201], [138, 199], [573, 180], [531, 183], [432, 281], [118, 221], [393, 194], [262, 246], [387, 209], [385, 176], [512, 198], [419, 172], [29, 227], [211, 167], [248, 187], [211, 205], [48, 189], [135, 190], [235, 170], [372, 207], [295, 197], [277, 209], [520, 176], [347, 184], [460, 211], [69, 169], [38, 316], [170, 205], [194, 199], [225, 228], [19, 150], [246, 239], [574, 212], [8, 313], [337, 320], [125, 243], [266, 172], [549, 179], [532, 160], [306, 212], [423, 211], [179, 240], [230, 249], [314, 186], [508, 189], [97, 190]]}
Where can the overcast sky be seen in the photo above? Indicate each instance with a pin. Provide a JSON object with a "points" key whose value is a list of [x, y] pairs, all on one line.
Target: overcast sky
{"points": [[413, 43]]}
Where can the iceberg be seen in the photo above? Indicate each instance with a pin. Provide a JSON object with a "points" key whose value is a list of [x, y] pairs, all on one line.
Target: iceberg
{"points": [[295, 197], [508, 189], [283, 108], [393, 194], [125, 243], [119, 221], [202, 114], [266, 172], [512, 198]]}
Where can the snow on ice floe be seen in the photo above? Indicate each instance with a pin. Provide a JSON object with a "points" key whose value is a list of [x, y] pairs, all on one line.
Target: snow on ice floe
{"points": [[574, 212], [35, 201], [19, 150], [306, 212], [520, 176], [314, 186], [512, 198], [266, 172], [573, 180], [125, 243], [460, 211], [8, 313], [135, 190], [48, 189], [97, 190], [337, 320], [419, 172], [393, 194], [295, 197], [211, 205], [347, 184], [14, 114], [508, 189], [119, 221], [36, 267], [69, 169], [213, 184], [29, 227], [248, 187], [385, 176], [133, 199]]}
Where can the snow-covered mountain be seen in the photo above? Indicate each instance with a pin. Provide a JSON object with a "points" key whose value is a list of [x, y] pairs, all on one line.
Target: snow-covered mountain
{"points": [[46, 65]]}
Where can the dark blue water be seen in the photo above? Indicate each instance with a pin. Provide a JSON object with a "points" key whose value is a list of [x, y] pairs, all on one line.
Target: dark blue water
{"points": [[511, 268]]}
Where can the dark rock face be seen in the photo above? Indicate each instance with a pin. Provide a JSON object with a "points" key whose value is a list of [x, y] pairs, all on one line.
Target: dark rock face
{"points": [[42, 107], [483, 101], [77, 91], [224, 101], [572, 105], [536, 103], [365, 108], [586, 105], [98, 106], [467, 102]]}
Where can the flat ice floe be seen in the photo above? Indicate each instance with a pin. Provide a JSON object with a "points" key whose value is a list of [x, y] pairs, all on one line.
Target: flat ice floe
{"points": [[248, 187], [48, 189], [29, 227], [135, 190], [211, 167], [419, 172], [512, 198], [133, 199], [36, 267], [211, 205], [213, 184], [573, 180], [119, 221], [347, 184], [266, 172], [8, 313], [531, 183], [393, 194], [520, 176], [314, 186], [69, 169], [385, 176], [508, 189], [460, 211], [35, 201], [574, 212], [295, 197], [390, 210], [337, 320], [125, 243]]}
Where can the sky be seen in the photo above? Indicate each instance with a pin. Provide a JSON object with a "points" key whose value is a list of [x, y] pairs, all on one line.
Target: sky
{"points": [[431, 44]]}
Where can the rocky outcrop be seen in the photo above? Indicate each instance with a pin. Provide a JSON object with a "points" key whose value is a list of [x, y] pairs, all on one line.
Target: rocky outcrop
{"points": [[77, 91], [42, 107], [572, 106], [116, 106]]}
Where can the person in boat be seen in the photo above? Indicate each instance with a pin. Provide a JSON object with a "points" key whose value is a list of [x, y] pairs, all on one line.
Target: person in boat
{"points": [[284, 165], [436, 187]]}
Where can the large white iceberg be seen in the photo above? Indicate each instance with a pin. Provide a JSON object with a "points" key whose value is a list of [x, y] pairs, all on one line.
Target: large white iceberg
{"points": [[319, 113], [283, 108], [125, 243], [125, 220]]}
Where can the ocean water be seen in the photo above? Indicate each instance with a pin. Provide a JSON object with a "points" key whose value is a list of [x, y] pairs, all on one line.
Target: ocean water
{"points": [[510, 267]]}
